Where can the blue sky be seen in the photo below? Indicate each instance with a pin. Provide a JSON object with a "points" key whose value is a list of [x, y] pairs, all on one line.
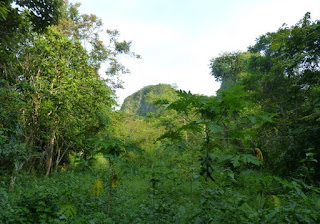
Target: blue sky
{"points": [[177, 38]]}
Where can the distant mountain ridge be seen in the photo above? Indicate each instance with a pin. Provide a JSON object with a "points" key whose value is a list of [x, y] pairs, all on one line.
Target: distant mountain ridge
{"points": [[142, 101]]}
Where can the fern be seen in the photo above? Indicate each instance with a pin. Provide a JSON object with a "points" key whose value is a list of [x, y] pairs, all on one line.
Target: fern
{"points": [[97, 188]]}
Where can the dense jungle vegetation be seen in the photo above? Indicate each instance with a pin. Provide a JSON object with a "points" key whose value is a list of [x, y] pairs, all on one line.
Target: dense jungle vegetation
{"points": [[250, 154]]}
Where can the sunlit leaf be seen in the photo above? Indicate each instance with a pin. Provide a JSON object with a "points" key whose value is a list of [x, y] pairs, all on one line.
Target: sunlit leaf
{"points": [[258, 154], [275, 201], [97, 188]]}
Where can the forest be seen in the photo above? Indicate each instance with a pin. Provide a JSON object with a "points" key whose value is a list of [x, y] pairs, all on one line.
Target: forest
{"points": [[249, 154]]}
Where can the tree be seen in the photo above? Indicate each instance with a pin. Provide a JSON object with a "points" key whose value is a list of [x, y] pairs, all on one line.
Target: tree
{"points": [[57, 99], [281, 75], [227, 68], [64, 102], [87, 29], [19, 21]]}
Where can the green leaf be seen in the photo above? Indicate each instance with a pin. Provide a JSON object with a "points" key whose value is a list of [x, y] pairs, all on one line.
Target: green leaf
{"points": [[247, 209], [247, 158], [266, 118], [235, 161], [182, 210], [231, 174], [215, 128], [68, 210], [115, 180], [310, 154]]}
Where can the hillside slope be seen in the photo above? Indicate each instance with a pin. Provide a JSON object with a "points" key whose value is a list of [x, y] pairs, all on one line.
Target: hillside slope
{"points": [[142, 101]]}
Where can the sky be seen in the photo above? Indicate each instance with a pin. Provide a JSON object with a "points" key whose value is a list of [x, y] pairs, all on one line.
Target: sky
{"points": [[177, 38]]}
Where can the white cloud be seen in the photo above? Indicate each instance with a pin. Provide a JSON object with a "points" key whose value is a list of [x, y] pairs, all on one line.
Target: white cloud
{"points": [[144, 33]]}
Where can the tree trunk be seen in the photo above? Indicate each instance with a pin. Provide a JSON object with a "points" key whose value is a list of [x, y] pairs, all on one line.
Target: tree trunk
{"points": [[49, 153], [17, 167], [110, 187]]}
